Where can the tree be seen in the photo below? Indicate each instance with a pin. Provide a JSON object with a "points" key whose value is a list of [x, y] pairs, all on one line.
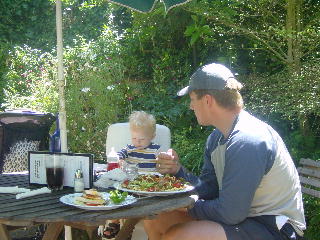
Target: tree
{"points": [[286, 29], [30, 22]]}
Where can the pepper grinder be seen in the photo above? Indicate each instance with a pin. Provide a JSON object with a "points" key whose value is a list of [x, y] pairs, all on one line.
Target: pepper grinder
{"points": [[78, 181]]}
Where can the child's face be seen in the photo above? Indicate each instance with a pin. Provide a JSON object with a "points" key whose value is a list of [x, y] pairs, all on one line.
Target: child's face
{"points": [[140, 139]]}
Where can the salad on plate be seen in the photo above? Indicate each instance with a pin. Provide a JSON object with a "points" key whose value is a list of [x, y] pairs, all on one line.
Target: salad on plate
{"points": [[155, 185]]}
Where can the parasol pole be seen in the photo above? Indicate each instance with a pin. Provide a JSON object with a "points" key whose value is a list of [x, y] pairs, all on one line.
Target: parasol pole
{"points": [[61, 81], [61, 84]]}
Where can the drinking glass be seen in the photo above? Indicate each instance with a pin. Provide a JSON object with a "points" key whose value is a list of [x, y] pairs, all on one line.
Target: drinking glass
{"points": [[131, 170], [55, 172]]}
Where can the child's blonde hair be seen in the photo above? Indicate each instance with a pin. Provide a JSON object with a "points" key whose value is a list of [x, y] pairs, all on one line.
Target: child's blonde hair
{"points": [[143, 121]]}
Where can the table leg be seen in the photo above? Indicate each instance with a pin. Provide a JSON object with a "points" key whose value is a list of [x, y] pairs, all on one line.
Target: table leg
{"points": [[90, 231], [4, 233], [53, 231], [127, 228], [67, 233]]}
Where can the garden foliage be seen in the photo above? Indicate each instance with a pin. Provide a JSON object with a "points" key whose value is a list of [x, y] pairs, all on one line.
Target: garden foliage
{"points": [[30, 80], [95, 93], [95, 88], [291, 102], [120, 61]]}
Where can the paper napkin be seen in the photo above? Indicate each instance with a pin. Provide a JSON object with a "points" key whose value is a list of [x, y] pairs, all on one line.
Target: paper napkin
{"points": [[15, 189], [33, 193], [109, 178]]}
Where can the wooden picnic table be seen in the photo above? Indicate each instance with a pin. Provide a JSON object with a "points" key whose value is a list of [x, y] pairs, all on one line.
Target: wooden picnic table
{"points": [[47, 208]]}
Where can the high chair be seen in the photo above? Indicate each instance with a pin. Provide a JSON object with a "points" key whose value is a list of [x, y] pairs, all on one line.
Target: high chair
{"points": [[118, 136]]}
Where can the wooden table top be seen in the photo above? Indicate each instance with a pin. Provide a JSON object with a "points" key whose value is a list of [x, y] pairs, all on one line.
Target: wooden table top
{"points": [[47, 208]]}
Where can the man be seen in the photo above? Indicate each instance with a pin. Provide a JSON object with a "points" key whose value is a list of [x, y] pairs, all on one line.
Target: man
{"points": [[248, 188]]}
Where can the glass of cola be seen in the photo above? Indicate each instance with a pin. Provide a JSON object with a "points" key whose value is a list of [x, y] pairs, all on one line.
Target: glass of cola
{"points": [[55, 172]]}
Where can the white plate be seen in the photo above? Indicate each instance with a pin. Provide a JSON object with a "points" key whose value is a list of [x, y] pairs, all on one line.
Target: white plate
{"points": [[165, 193], [69, 200], [149, 173]]}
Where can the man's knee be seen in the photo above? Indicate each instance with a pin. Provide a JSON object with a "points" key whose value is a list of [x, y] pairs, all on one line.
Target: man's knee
{"points": [[176, 232], [153, 226], [195, 230], [149, 225]]}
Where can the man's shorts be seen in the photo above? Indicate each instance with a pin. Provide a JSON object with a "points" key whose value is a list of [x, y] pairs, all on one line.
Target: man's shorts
{"points": [[259, 228]]}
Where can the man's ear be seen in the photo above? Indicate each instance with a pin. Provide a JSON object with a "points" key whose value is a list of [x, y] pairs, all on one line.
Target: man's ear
{"points": [[209, 100]]}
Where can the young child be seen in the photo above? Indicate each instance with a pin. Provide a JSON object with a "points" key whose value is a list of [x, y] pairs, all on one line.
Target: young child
{"points": [[142, 151]]}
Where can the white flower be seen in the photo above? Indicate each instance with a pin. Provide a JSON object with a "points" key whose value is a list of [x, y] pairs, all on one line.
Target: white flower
{"points": [[85, 90]]}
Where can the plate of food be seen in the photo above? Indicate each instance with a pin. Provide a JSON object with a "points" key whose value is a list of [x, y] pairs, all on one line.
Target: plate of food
{"points": [[93, 200], [156, 185]]}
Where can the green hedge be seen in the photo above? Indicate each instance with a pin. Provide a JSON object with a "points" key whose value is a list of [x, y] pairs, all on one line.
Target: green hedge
{"points": [[95, 88]]}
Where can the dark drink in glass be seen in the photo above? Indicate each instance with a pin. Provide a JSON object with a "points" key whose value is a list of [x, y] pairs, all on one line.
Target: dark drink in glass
{"points": [[55, 172], [55, 178]]}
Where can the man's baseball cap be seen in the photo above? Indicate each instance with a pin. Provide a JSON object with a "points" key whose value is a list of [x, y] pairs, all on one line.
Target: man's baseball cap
{"points": [[210, 76]]}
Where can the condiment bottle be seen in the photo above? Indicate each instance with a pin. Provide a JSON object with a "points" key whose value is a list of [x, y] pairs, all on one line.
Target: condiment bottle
{"points": [[78, 181], [113, 160]]}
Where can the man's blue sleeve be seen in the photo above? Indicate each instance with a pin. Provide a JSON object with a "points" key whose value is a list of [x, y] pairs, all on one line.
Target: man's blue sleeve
{"points": [[245, 165]]}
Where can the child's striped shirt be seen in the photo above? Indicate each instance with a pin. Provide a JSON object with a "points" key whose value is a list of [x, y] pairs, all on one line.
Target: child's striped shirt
{"points": [[145, 158]]}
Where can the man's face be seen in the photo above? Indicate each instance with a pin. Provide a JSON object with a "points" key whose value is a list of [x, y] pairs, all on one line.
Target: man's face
{"points": [[140, 139], [199, 108]]}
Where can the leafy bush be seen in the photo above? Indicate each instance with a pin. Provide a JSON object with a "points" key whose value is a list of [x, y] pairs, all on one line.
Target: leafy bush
{"points": [[291, 103], [311, 206], [30, 80], [95, 94], [190, 144], [95, 89], [4, 51], [30, 22], [294, 96]]}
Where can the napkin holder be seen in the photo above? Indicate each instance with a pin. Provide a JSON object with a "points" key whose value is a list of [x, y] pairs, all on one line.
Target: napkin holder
{"points": [[72, 162]]}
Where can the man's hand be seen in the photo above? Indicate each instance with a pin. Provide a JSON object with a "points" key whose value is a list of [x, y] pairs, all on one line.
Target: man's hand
{"points": [[168, 162]]}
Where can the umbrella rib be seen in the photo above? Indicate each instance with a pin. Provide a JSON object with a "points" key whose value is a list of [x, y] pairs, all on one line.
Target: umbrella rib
{"points": [[175, 5], [153, 5], [135, 9]]}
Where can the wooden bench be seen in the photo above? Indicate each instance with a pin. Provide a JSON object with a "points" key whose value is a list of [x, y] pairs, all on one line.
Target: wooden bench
{"points": [[309, 173]]}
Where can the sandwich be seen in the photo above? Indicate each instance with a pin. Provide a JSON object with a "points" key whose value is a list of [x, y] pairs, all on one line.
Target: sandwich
{"points": [[90, 197]]}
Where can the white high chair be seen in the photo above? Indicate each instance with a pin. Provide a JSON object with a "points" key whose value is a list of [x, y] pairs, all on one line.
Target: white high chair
{"points": [[118, 136]]}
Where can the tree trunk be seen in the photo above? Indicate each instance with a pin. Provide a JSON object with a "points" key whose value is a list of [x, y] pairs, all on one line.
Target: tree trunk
{"points": [[293, 27]]}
